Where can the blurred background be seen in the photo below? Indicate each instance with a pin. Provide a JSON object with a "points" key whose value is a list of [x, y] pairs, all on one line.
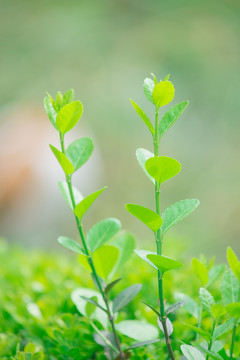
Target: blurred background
{"points": [[104, 50]]}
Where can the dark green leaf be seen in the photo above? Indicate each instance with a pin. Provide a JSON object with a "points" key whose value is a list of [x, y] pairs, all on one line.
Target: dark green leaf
{"points": [[147, 216], [125, 296], [170, 117], [63, 161], [68, 116], [152, 308], [111, 285], [85, 204], [79, 151], [162, 168], [143, 116]]}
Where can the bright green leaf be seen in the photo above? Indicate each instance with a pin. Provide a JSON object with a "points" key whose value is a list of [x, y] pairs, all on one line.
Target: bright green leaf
{"points": [[211, 354], [163, 93], [101, 232], [68, 97], [200, 271], [63, 160], [233, 261], [170, 117], [85, 204], [148, 86], [142, 156], [164, 263], [204, 334], [147, 216], [59, 99], [79, 151], [71, 244], [137, 330], [143, 116], [191, 353], [63, 187], [217, 310], [234, 310], [222, 329], [206, 299], [143, 255], [177, 212], [125, 296], [50, 111], [68, 116], [229, 287], [162, 168]]}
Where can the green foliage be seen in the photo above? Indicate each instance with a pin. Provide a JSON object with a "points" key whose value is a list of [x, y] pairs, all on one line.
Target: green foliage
{"points": [[71, 244], [163, 93], [163, 263], [79, 152], [65, 163], [162, 168], [170, 117], [147, 216], [143, 116], [125, 296], [85, 203], [68, 116]]}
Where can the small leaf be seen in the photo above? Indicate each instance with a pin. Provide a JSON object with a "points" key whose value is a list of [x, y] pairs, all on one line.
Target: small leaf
{"points": [[217, 310], [234, 310], [68, 97], [71, 245], [206, 299], [222, 329], [148, 86], [101, 232], [199, 331], [59, 99], [50, 111], [163, 93], [142, 343], [190, 305], [152, 308], [200, 271], [164, 263], [63, 161], [177, 212], [105, 338], [142, 156], [125, 242], [63, 187], [191, 353], [175, 307], [69, 116], [233, 261], [90, 300], [143, 255], [90, 307], [147, 216], [168, 325], [137, 330], [162, 168], [143, 116], [85, 204], [170, 117], [125, 296], [111, 285], [229, 287], [79, 151]]}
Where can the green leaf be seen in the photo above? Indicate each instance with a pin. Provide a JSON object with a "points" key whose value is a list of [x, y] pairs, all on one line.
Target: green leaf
{"points": [[175, 307], [170, 117], [164, 263], [163, 93], [143, 116], [68, 97], [90, 307], [111, 285], [125, 296], [199, 331], [125, 242], [189, 304], [210, 353], [90, 300], [191, 353], [215, 273], [162, 168], [69, 116], [85, 204], [143, 343], [79, 152], [233, 261], [147, 216], [148, 86], [71, 245], [217, 310], [63, 161], [101, 232], [234, 310], [59, 99], [142, 156], [137, 330], [177, 212], [200, 271], [143, 255], [50, 111], [63, 187], [152, 308], [222, 329], [229, 287], [206, 299]]}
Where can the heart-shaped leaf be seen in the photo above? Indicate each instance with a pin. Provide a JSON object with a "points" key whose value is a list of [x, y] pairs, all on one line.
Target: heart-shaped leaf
{"points": [[170, 117], [164, 263], [143, 116], [68, 116], [147, 216], [162, 168], [65, 163], [142, 156], [79, 151], [163, 93], [85, 204]]}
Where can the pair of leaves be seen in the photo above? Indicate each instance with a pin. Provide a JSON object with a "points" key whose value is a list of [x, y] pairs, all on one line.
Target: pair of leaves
{"points": [[158, 262]]}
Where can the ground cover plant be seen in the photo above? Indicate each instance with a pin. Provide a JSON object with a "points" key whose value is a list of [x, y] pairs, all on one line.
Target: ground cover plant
{"points": [[50, 309]]}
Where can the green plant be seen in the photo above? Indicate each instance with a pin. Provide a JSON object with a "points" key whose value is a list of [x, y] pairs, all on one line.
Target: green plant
{"points": [[159, 169]]}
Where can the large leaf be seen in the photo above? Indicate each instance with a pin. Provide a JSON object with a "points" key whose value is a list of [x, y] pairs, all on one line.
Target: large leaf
{"points": [[200, 271], [147, 216], [229, 287], [233, 261], [85, 204], [71, 244], [163, 93], [65, 163], [79, 151], [50, 111], [137, 330], [125, 242], [63, 187], [206, 299], [143, 116], [164, 263], [170, 117], [177, 212], [162, 168], [222, 329], [189, 304], [234, 310], [125, 296], [148, 86], [191, 353], [101, 232], [68, 116], [142, 156]]}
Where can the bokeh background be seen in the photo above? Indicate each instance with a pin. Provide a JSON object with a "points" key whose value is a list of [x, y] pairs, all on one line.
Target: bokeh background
{"points": [[104, 49]]}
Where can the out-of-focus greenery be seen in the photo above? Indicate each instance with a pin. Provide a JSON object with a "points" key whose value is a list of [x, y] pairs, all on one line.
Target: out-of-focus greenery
{"points": [[36, 307], [104, 49]]}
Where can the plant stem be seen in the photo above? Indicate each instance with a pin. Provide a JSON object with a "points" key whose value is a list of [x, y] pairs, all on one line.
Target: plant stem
{"points": [[158, 239], [90, 260], [233, 340], [211, 341]]}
